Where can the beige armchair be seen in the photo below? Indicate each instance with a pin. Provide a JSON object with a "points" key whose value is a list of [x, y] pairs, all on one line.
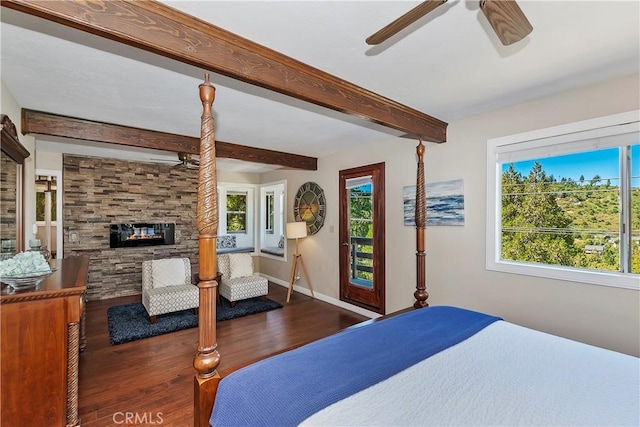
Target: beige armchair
{"points": [[167, 287], [239, 281]]}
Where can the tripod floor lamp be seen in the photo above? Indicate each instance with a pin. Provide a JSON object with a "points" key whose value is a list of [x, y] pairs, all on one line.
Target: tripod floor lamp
{"points": [[297, 230]]}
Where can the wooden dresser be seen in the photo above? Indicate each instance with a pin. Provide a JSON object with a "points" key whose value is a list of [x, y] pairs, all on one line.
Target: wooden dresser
{"points": [[40, 345]]}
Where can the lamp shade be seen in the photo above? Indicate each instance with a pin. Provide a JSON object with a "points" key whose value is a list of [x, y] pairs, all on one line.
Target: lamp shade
{"points": [[296, 230]]}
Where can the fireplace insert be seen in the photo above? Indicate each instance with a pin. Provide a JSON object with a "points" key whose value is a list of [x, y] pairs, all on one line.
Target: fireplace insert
{"points": [[141, 234]]}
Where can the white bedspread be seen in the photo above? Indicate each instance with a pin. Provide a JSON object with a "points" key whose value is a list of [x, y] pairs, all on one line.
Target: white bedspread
{"points": [[504, 375]]}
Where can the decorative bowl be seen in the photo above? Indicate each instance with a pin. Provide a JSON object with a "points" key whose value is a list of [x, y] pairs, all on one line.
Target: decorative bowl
{"points": [[28, 280]]}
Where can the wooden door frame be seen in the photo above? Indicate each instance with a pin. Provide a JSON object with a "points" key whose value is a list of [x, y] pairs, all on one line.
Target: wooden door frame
{"points": [[379, 268]]}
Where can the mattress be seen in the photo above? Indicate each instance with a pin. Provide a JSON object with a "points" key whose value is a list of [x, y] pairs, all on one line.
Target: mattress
{"points": [[435, 366], [505, 375]]}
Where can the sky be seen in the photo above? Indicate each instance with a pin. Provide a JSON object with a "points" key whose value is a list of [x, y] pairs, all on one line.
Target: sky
{"points": [[589, 164]]}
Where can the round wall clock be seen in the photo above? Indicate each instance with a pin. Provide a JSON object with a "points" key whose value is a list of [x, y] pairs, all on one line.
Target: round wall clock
{"points": [[309, 206]]}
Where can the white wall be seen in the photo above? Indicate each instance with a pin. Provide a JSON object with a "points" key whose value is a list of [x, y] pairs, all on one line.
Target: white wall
{"points": [[603, 316], [47, 160], [320, 251], [238, 177], [456, 274]]}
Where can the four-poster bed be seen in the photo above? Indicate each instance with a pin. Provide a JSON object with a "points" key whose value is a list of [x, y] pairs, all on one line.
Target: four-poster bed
{"points": [[207, 358], [435, 366]]}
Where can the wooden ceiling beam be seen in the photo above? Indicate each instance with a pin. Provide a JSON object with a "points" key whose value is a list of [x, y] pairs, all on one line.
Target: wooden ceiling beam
{"points": [[41, 123], [158, 28]]}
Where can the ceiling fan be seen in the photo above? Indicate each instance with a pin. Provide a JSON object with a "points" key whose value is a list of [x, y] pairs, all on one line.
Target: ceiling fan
{"points": [[186, 161], [505, 16]]}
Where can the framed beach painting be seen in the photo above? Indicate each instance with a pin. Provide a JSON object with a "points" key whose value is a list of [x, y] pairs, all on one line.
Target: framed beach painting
{"points": [[445, 203]]}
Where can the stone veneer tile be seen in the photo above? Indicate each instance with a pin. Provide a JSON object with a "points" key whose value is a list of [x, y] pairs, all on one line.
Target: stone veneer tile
{"points": [[99, 192]]}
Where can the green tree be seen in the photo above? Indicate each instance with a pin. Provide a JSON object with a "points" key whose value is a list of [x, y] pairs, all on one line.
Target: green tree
{"points": [[236, 212], [361, 212], [361, 225], [635, 257], [40, 202], [536, 226], [512, 186]]}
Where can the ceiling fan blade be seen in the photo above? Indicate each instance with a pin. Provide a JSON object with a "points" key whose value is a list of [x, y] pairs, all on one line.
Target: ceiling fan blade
{"points": [[404, 21], [507, 19]]}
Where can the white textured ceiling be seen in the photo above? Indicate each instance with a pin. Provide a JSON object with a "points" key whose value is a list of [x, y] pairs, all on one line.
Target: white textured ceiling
{"points": [[449, 65]]}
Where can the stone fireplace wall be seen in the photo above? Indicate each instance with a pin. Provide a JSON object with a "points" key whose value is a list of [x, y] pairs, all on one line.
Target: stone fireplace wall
{"points": [[99, 192]]}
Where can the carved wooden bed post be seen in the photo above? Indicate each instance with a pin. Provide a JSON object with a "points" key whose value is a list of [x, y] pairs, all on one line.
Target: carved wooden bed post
{"points": [[421, 223], [207, 359]]}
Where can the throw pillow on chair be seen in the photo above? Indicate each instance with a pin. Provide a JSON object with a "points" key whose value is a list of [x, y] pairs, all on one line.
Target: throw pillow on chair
{"points": [[241, 265], [166, 287], [239, 281]]}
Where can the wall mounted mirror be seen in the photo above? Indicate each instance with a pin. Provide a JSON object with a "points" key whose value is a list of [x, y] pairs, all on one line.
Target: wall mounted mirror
{"points": [[11, 188]]}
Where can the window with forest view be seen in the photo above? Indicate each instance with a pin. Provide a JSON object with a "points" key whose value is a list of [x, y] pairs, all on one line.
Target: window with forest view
{"points": [[570, 200], [236, 212]]}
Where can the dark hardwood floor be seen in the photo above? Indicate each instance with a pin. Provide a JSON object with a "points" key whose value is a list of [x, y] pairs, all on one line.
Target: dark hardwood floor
{"points": [[150, 381]]}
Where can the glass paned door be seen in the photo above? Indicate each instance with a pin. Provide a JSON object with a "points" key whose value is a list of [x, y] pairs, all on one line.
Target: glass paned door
{"points": [[362, 245]]}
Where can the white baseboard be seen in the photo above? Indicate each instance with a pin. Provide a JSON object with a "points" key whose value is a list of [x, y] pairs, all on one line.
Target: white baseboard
{"points": [[323, 297]]}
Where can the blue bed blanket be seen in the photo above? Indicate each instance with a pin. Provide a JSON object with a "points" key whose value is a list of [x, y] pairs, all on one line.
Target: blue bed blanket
{"points": [[286, 389]]}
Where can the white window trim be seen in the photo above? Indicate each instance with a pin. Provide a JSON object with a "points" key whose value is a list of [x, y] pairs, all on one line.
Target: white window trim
{"points": [[278, 219], [243, 239], [629, 121]]}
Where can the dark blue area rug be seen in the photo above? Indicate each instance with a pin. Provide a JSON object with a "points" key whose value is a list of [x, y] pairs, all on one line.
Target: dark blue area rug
{"points": [[130, 322]]}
